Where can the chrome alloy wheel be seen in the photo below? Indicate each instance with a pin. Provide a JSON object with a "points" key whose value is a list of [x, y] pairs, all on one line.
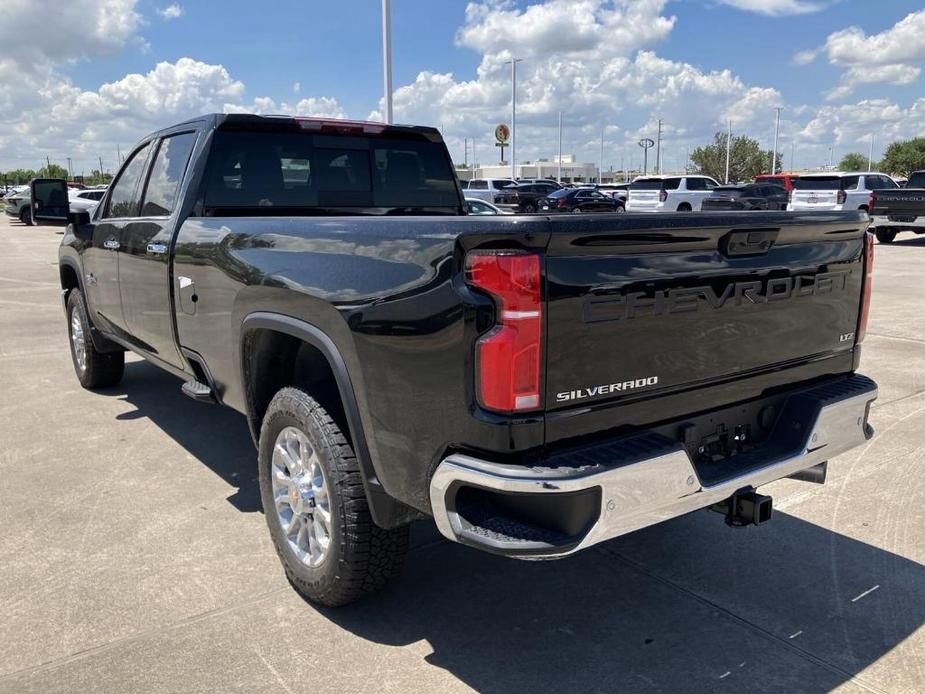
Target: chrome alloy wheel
{"points": [[300, 496], [78, 341]]}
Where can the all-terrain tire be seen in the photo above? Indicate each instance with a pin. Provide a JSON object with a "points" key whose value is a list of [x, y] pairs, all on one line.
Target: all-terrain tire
{"points": [[885, 235], [95, 369], [361, 557]]}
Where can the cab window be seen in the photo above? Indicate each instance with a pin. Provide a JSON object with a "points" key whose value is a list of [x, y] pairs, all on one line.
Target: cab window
{"points": [[123, 202], [166, 174]]}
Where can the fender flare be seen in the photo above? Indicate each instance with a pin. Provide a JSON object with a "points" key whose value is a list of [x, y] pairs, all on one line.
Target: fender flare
{"points": [[387, 511], [100, 342]]}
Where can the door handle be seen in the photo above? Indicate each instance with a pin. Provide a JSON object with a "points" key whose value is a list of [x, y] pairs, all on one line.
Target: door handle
{"points": [[111, 244], [157, 248]]}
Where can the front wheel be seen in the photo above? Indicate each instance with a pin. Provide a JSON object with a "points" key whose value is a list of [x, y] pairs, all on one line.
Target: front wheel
{"points": [[25, 215], [530, 207], [315, 505], [94, 369], [577, 210], [620, 208], [885, 235]]}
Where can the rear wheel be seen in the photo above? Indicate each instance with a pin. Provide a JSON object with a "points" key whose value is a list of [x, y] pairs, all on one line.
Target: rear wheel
{"points": [[25, 215], [94, 369], [619, 208], [576, 210], [315, 505], [529, 207], [885, 235]]}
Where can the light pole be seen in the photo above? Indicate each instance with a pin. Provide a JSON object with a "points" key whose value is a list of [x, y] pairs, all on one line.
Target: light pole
{"points": [[870, 154], [600, 163], [559, 168], [513, 62], [776, 132], [70, 174], [387, 57], [658, 149], [728, 147]]}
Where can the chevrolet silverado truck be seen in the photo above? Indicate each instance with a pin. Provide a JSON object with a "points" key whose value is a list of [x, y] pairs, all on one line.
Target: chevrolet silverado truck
{"points": [[535, 384], [894, 210]]}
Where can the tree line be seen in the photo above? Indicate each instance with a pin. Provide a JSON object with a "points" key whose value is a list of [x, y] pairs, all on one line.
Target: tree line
{"points": [[747, 159], [21, 176]]}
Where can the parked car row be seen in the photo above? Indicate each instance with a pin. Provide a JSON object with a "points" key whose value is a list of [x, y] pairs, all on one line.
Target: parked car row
{"points": [[18, 203], [835, 191]]}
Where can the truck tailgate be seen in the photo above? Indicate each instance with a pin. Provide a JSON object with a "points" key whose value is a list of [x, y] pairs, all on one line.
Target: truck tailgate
{"points": [[642, 307], [902, 205]]}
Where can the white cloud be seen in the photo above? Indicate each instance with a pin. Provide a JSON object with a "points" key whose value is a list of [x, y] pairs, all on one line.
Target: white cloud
{"points": [[806, 57], [84, 123], [593, 61], [296, 87], [893, 56], [777, 8], [43, 113], [314, 107], [172, 11]]}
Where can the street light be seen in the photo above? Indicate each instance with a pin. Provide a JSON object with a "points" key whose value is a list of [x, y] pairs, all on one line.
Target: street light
{"points": [[387, 57], [776, 131], [513, 62]]}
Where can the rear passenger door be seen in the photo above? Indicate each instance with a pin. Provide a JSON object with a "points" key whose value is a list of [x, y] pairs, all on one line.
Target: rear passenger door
{"points": [[144, 270]]}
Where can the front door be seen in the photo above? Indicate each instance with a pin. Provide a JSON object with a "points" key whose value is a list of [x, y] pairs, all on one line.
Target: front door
{"points": [[144, 268], [101, 259]]}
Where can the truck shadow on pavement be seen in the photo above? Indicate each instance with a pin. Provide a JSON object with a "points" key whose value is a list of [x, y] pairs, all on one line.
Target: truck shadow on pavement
{"points": [[217, 436], [688, 605], [683, 606]]}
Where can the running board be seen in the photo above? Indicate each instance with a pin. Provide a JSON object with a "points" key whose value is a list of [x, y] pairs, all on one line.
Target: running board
{"points": [[198, 391]]}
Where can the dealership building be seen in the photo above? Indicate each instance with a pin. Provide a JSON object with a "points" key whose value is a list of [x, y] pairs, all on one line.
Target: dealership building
{"points": [[541, 168]]}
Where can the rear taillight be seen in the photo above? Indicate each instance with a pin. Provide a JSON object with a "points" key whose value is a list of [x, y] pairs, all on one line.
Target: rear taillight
{"points": [[507, 358], [841, 197], [867, 285], [872, 201], [663, 195], [560, 202]]}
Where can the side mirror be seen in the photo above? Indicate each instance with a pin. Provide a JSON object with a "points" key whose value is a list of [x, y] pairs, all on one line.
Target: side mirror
{"points": [[78, 218], [79, 223]]}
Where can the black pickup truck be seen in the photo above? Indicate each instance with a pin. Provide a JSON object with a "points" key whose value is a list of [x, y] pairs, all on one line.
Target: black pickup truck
{"points": [[536, 384], [899, 209]]}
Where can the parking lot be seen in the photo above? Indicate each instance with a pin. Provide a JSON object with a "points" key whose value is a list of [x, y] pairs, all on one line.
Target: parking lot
{"points": [[134, 556]]}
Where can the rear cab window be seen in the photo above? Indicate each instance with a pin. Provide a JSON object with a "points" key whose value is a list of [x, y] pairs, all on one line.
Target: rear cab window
{"points": [[916, 180], [818, 183], [648, 184], [285, 169]]}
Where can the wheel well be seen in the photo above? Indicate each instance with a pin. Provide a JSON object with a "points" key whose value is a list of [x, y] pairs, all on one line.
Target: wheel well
{"points": [[69, 280], [863, 207], [275, 360], [685, 207]]}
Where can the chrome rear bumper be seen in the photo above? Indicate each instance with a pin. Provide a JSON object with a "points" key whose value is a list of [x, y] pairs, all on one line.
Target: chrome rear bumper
{"points": [[647, 488]]}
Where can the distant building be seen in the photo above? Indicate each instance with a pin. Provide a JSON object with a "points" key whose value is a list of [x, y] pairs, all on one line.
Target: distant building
{"points": [[572, 171]]}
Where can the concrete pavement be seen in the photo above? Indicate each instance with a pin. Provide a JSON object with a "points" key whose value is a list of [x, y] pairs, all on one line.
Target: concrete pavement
{"points": [[134, 557]]}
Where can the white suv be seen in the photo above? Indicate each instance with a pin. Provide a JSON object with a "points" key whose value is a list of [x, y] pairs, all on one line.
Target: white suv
{"points": [[487, 189], [837, 191], [669, 193]]}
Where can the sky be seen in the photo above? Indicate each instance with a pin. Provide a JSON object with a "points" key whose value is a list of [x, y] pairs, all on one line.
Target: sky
{"points": [[87, 78]]}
